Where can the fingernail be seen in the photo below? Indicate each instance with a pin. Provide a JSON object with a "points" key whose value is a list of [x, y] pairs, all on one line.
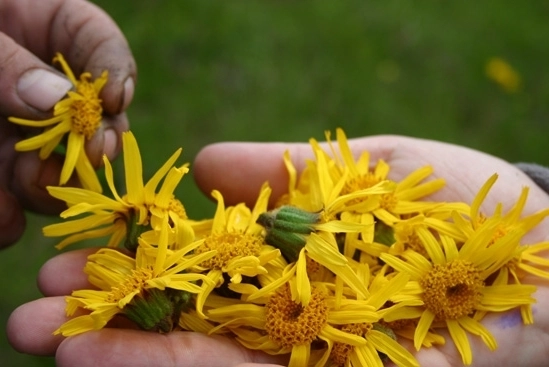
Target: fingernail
{"points": [[129, 87], [110, 143], [42, 89]]}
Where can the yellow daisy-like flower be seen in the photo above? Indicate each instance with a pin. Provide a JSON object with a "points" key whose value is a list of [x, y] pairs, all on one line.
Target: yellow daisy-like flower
{"points": [[350, 175], [124, 217], [79, 115], [406, 236], [513, 271], [327, 328], [239, 244], [321, 248], [454, 287], [471, 221], [150, 289], [352, 192]]}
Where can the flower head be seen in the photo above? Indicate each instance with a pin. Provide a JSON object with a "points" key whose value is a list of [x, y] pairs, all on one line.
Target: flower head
{"points": [[142, 208], [239, 244], [150, 289], [78, 115], [328, 327], [454, 286]]}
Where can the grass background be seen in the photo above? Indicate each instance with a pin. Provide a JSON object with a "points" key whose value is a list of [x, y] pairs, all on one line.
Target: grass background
{"points": [[288, 70]]}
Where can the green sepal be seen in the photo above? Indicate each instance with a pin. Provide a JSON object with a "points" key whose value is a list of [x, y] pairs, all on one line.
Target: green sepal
{"points": [[158, 310], [287, 228], [387, 331], [296, 215], [289, 244], [133, 231], [384, 234]]}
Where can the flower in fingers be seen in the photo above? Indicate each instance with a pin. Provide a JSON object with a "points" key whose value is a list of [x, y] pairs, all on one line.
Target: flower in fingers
{"points": [[77, 117]]}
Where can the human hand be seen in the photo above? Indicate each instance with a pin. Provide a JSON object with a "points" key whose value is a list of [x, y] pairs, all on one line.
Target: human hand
{"points": [[238, 170], [31, 33], [30, 327]]}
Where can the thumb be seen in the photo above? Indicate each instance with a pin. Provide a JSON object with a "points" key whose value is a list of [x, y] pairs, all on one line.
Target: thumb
{"points": [[28, 86]]}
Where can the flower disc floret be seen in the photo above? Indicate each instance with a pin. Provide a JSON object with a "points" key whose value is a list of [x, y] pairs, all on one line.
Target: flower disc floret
{"points": [[452, 290], [86, 108], [132, 285], [229, 245], [360, 182], [341, 351], [291, 324]]}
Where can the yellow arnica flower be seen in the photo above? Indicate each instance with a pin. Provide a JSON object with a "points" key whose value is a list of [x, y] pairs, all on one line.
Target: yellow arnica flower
{"points": [[238, 241], [453, 283], [353, 175], [124, 217], [79, 115], [128, 286], [514, 270], [321, 250], [328, 328], [351, 191], [470, 222]]}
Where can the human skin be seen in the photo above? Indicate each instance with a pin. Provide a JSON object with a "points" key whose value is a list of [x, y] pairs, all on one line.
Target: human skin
{"points": [[238, 170], [31, 32]]}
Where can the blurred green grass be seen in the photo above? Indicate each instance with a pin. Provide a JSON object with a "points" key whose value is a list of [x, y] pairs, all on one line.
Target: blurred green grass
{"points": [[288, 70]]}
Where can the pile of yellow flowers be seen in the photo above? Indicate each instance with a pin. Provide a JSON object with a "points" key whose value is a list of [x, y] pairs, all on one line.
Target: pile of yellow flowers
{"points": [[346, 265]]}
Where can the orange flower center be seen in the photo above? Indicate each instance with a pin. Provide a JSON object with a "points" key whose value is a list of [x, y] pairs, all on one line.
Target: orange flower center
{"points": [[289, 323], [341, 351], [229, 245], [452, 290], [86, 108]]}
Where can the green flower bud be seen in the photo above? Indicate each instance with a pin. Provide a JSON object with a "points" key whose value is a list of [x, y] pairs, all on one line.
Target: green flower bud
{"points": [[286, 229], [158, 310]]}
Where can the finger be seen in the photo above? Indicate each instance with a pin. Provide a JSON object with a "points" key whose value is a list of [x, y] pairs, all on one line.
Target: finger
{"points": [[12, 219], [122, 347], [30, 330], [91, 41], [107, 140], [31, 176], [38, 85], [239, 169], [64, 273], [30, 327]]}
